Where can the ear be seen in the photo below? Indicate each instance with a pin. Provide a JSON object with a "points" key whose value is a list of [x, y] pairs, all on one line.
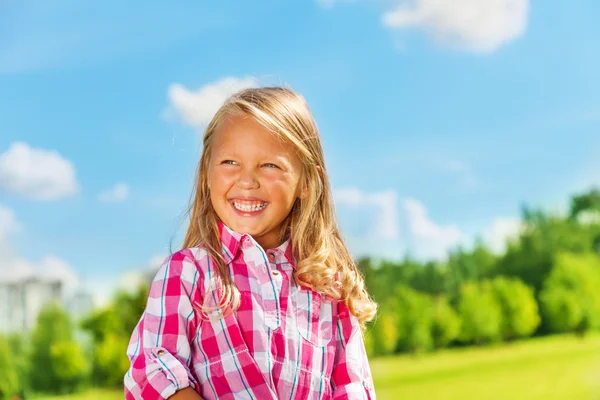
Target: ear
{"points": [[303, 193]]}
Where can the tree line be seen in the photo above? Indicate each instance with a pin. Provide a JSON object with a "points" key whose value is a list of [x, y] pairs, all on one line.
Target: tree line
{"points": [[547, 281]]}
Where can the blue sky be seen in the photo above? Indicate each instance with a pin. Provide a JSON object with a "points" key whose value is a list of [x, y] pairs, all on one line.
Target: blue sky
{"points": [[438, 120]]}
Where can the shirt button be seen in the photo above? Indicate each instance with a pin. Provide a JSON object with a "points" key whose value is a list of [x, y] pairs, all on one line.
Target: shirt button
{"points": [[275, 272], [272, 256], [160, 353]]}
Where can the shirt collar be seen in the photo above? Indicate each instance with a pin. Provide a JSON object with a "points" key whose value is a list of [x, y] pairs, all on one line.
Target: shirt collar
{"points": [[232, 243]]}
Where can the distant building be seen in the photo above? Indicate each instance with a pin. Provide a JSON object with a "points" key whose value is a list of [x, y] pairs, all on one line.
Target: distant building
{"points": [[22, 300], [80, 304]]}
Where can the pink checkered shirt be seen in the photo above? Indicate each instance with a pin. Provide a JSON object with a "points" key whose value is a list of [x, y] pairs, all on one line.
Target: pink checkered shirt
{"points": [[284, 342]]}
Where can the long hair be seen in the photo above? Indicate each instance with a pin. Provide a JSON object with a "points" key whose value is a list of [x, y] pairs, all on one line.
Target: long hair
{"points": [[323, 262]]}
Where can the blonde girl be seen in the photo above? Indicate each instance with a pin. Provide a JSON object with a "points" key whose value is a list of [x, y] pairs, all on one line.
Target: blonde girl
{"points": [[263, 301]]}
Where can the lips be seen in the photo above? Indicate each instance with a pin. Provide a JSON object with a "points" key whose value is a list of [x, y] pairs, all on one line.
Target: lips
{"points": [[248, 205]]}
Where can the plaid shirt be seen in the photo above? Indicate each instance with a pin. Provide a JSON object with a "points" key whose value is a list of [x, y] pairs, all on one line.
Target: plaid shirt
{"points": [[284, 341]]}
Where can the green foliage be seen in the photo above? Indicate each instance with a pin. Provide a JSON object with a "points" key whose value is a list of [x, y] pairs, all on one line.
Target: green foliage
{"points": [[467, 266], [585, 202], [570, 298], [384, 331], [9, 378], [111, 329], [368, 338], [111, 360], [53, 348], [531, 257], [519, 309], [445, 324], [414, 311], [20, 354], [70, 365], [480, 313]]}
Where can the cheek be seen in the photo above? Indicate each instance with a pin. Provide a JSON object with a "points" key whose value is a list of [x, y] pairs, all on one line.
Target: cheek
{"points": [[221, 182], [282, 189]]}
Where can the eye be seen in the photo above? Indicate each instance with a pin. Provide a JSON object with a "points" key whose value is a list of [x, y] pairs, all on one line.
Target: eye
{"points": [[228, 162], [271, 165]]}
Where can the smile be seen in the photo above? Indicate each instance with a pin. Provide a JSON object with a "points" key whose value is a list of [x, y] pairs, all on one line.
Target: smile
{"points": [[248, 206]]}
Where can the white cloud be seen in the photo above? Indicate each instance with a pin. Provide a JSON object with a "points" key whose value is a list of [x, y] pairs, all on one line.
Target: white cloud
{"points": [[116, 194], [54, 268], [500, 231], [36, 173], [198, 107], [48, 268], [428, 239], [14, 267], [386, 224], [475, 25], [156, 262], [8, 223], [103, 288], [422, 237]]}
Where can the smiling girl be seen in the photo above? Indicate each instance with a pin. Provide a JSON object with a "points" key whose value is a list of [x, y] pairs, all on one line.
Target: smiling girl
{"points": [[263, 301]]}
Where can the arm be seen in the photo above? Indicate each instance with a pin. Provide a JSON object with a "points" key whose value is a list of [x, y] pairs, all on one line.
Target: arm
{"points": [[159, 349], [351, 378], [186, 394]]}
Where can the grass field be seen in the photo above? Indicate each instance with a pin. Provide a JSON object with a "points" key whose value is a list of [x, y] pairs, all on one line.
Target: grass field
{"points": [[561, 367], [553, 368]]}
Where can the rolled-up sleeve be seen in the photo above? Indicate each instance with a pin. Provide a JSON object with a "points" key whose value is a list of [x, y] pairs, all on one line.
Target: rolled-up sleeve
{"points": [[351, 378], [160, 346]]}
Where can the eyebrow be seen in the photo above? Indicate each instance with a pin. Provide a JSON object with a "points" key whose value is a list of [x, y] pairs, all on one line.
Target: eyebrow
{"points": [[278, 159]]}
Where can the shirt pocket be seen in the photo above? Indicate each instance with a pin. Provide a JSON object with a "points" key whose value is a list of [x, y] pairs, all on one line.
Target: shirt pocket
{"points": [[314, 317]]}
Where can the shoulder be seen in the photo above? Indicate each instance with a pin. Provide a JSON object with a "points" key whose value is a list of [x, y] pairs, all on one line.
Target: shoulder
{"points": [[342, 310], [189, 265], [347, 323]]}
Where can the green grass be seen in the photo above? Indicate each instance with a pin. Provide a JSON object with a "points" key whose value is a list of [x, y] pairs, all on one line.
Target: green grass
{"points": [[93, 394], [551, 368]]}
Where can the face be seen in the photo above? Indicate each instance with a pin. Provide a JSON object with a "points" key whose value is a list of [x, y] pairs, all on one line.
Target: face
{"points": [[254, 179]]}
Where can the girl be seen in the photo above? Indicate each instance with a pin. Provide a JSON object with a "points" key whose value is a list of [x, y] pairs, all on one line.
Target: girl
{"points": [[264, 301]]}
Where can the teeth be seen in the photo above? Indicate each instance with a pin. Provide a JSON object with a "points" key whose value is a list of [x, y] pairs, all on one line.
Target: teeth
{"points": [[249, 207]]}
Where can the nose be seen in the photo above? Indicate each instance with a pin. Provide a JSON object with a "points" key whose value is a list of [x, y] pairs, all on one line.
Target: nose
{"points": [[247, 179]]}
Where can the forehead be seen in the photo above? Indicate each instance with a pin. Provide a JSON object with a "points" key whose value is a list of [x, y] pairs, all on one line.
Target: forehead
{"points": [[243, 134]]}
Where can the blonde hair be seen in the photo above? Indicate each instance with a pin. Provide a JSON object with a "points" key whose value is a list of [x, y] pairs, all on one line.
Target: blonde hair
{"points": [[318, 248]]}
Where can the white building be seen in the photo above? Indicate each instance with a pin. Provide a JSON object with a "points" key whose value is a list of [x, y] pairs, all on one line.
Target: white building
{"points": [[21, 301], [80, 304]]}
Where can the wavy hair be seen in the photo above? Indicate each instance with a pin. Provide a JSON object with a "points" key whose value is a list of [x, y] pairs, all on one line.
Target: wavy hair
{"points": [[323, 262]]}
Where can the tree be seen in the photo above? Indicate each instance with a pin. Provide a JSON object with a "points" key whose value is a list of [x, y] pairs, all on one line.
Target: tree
{"points": [[467, 266], [414, 312], [54, 348], [531, 257], [585, 202], [384, 331], [111, 329], [445, 325], [570, 297], [20, 354], [69, 364], [111, 360], [9, 379], [479, 312], [519, 309]]}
